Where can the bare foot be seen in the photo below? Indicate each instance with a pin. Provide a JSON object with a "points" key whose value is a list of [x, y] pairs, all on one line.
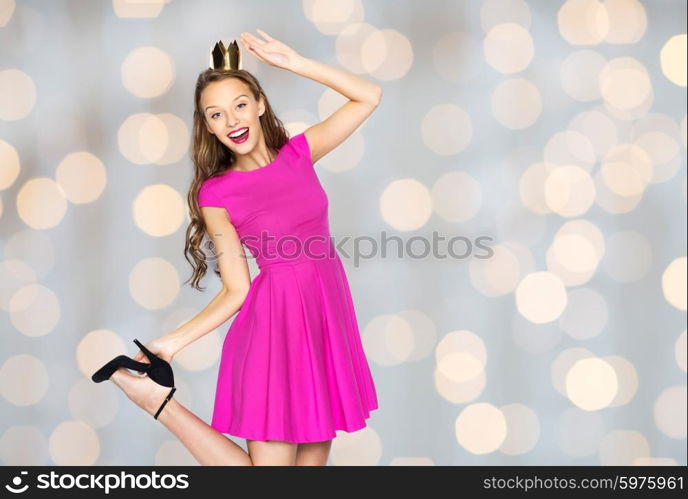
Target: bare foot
{"points": [[141, 390]]}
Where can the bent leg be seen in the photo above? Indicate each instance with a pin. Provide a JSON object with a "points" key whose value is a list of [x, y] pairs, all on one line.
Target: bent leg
{"points": [[208, 446]]}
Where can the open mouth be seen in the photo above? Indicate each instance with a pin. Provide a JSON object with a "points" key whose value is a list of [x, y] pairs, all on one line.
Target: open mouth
{"points": [[238, 139]]}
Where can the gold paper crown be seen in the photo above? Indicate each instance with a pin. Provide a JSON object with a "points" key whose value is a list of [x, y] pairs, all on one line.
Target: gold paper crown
{"points": [[226, 58]]}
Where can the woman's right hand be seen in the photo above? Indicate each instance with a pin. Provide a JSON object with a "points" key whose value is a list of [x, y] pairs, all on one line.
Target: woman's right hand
{"points": [[271, 51], [162, 347]]}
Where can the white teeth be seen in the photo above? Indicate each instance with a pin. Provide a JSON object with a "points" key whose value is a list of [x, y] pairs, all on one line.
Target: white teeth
{"points": [[238, 133]]}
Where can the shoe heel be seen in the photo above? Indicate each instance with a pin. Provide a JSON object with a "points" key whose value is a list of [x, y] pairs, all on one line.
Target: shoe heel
{"points": [[160, 370], [151, 356]]}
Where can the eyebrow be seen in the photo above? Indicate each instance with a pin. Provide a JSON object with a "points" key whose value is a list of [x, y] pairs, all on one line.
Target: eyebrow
{"points": [[235, 98]]}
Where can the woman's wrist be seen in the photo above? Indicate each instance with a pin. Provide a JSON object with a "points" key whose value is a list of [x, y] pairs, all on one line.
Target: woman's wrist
{"points": [[174, 342], [299, 64]]}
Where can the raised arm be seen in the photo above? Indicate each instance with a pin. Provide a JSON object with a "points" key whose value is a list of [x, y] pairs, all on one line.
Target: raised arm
{"points": [[364, 96]]}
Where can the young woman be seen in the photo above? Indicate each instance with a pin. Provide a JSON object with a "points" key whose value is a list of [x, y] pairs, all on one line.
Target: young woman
{"points": [[292, 370]]}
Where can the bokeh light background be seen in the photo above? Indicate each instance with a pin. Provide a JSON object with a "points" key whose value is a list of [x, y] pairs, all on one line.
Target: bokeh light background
{"points": [[557, 128]]}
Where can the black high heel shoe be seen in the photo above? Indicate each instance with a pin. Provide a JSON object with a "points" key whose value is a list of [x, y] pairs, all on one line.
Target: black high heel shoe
{"points": [[159, 370]]}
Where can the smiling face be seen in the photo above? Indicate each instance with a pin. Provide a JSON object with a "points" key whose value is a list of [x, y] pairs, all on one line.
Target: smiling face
{"points": [[229, 108]]}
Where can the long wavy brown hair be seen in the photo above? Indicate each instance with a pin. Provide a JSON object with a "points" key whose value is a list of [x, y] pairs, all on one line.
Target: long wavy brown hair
{"points": [[211, 158]]}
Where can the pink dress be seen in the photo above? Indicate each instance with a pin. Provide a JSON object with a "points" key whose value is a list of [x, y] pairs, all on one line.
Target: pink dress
{"points": [[293, 366]]}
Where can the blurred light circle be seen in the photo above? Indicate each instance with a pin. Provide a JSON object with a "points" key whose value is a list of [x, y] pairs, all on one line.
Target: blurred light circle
{"points": [[598, 129], [591, 384], [627, 378], [456, 196], [446, 129], [498, 275], [386, 54], [6, 11], [74, 443], [9, 159], [625, 84], [579, 73], [154, 283], [424, 333], [583, 22], [569, 191], [508, 48], [147, 72], [17, 94], [626, 170], [349, 46], [158, 210], [480, 428], [23, 445], [570, 147], [406, 204], [516, 103], [541, 297], [523, 429], [531, 187], [177, 139], [143, 138], [330, 18], [14, 274], [96, 348], [34, 310], [82, 177], [673, 59], [670, 412], [560, 261], [627, 19], [665, 152], [674, 283], [461, 392], [388, 339], [41, 203], [611, 202], [573, 252], [24, 380], [138, 8]]}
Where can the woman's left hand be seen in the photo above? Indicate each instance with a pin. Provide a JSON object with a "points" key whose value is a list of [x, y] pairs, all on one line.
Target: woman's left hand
{"points": [[270, 50], [163, 347]]}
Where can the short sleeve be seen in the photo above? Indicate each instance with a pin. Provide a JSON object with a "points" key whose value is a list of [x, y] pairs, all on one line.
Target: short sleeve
{"points": [[302, 147], [207, 197]]}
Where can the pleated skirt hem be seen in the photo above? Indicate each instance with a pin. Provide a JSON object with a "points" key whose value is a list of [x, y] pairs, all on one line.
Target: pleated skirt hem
{"points": [[292, 438]]}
